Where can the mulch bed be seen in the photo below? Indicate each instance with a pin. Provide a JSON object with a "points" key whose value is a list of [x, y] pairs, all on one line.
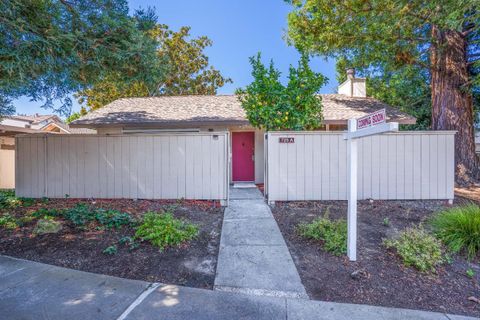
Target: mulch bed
{"points": [[379, 278], [192, 264]]}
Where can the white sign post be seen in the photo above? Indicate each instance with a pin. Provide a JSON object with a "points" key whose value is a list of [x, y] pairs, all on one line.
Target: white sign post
{"points": [[368, 125]]}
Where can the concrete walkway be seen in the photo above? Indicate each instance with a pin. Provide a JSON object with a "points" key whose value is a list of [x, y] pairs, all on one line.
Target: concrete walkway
{"points": [[31, 290], [253, 256]]}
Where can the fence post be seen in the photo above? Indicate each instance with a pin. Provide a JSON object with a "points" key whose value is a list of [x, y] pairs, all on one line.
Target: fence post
{"points": [[352, 192]]}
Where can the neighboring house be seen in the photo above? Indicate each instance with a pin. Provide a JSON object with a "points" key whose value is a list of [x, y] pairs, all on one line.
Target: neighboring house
{"points": [[225, 113], [22, 124]]}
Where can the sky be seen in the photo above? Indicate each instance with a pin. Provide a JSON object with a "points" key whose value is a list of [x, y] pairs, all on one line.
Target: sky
{"points": [[238, 28]]}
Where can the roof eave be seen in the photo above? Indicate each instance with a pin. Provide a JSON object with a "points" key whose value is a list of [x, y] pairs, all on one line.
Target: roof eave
{"points": [[345, 121], [157, 124]]}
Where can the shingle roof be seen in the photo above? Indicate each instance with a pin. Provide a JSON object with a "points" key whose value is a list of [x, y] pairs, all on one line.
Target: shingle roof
{"points": [[33, 118], [167, 110], [65, 127], [338, 108], [221, 109]]}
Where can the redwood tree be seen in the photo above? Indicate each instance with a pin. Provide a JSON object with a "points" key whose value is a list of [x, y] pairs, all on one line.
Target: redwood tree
{"points": [[442, 37]]}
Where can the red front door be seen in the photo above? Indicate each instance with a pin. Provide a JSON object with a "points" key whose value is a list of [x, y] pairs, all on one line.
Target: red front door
{"points": [[243, 165]]}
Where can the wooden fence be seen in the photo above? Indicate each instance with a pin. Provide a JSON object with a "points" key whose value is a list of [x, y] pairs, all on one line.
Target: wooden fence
{"points": [[163, 166], [403, 165]]}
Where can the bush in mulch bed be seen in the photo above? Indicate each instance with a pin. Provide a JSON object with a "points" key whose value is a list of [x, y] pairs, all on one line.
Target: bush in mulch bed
{"points": [[332, 233], [99, 235], [459, 229], [8, 200], [163, 230], [417, 248], [416, 272]]}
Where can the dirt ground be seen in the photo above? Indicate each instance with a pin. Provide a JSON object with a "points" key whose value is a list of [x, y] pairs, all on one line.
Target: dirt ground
{"points": [[380, 278], [192, 264]]}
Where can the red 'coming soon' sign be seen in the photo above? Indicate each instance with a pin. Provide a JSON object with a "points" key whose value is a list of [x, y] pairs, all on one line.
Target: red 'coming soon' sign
{"points": [[372, 119]]}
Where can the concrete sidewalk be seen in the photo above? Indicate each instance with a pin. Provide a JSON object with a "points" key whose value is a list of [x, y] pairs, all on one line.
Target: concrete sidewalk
{"points": [[253, 256], [31, 290]]}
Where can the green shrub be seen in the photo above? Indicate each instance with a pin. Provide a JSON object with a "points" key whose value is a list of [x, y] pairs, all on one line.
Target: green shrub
{"points": [[386, 222], [129, 241], [333, 233], [164, 230], [9, 201], [24, 220], [47, 212], [459, 229], [80, 214], [470, 273], [47, 225], [8, 221], [417, 248], [113, 218], [26, 202], [111, 250]]}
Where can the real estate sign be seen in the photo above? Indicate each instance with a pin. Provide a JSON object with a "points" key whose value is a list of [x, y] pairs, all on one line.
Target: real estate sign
{"points": [[371, 124], [371, 119]]}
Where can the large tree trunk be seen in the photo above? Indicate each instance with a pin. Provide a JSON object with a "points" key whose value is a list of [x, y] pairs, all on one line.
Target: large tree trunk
{"points": [[452, 103]]}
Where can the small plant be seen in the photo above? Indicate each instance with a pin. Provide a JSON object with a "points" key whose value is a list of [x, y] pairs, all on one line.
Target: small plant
{"points": [[417, 248], [26, 202], [46, 212], [24, 220], [163, 230], [111, 250], [47, 225], [129, 241], [8, 221], [333, 233], [470, 273], [8, 199], [459, 229], [386, 222], [80, 215], [113, 218], [126, 240]]}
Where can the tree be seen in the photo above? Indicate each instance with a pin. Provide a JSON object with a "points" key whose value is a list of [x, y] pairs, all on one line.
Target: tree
{"points": [[269, 105], [439, 37], [76, 115], [52, 48], [188, 71]]}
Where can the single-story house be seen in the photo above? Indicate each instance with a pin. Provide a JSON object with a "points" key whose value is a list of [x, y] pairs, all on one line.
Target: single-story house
{"points": [[225, 113]]}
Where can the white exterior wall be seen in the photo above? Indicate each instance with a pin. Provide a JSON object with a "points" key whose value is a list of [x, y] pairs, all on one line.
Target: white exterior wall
{"points": [[7, 164], [163, 166], [345, 88], [403, 165], [359, 87], [356, 87]]}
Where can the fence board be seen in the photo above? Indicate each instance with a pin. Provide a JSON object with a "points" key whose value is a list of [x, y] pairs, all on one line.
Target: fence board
{"points": [[164, 166], [403, 165]]}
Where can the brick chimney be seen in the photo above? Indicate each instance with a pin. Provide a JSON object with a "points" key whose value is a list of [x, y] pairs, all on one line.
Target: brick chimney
{"points": [[353, 87]]}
